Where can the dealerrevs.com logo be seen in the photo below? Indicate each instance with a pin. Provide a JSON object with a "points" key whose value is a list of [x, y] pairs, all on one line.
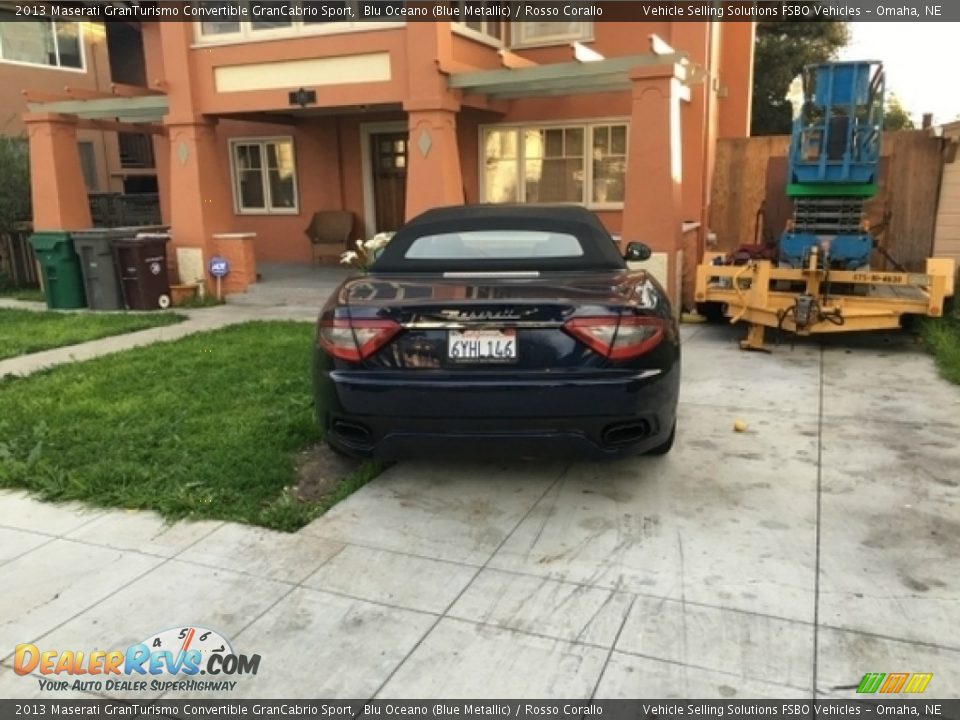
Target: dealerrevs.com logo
{"points": [[173, 659]]}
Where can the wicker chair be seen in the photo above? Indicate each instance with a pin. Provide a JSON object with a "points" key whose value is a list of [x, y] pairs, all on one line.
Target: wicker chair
{"points": [[330, 230]]}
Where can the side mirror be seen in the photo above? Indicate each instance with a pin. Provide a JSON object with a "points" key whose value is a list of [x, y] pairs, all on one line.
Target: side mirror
{"points": [[636, 252]]}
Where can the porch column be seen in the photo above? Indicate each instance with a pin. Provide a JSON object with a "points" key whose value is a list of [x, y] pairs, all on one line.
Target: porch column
{"points": [[161, 159], [653, 205], [200, 203], [59, 193], [433, 159], [736, 77]]}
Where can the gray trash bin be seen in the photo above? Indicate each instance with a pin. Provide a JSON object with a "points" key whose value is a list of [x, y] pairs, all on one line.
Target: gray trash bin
{"points": [[98, 263]]}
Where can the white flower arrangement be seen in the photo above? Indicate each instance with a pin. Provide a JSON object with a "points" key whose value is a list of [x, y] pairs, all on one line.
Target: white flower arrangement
{"points": [[366, 252]]}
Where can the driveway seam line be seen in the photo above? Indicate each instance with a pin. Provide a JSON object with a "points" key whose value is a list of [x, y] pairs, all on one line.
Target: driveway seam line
{"points": [[27, 552], [332, 556], [163, 561], [517, 573], [54, 536], [546, 636], [32, 532], [418, 643], [802, 414], [693, 333], [613, 645], [240, 631], [392, 551], [438, 615], [575, 583], [709, 669], [650, 596], [527, 633], [379, 603], [891, 638], [98, 516], [906, 424], [132, 551], [244, 573], [292, 587], [819, 505]]}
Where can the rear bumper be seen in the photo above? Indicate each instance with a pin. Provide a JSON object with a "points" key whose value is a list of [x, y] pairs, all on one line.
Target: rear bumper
{"points": [[555, 445], [399, 415]]}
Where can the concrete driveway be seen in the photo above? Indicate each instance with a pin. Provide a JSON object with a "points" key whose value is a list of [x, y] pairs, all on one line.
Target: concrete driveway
{"points": [[821, 544]]}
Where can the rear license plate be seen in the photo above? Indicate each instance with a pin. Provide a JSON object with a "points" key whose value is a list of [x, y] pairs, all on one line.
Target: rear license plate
{"points": [[482, 345]]}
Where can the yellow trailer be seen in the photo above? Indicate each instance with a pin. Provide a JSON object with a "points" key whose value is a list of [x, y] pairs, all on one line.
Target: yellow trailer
{"points": [[814, 299]]}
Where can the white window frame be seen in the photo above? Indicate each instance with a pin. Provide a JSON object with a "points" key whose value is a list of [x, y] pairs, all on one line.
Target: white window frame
{"points": [[297, 28], [584, 33], [591, 128], [586, 125], [56, 46], [264, 176], [460, 27]]}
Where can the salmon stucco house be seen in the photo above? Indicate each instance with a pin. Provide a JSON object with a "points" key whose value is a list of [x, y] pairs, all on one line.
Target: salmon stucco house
{"points": [[259, 124]]}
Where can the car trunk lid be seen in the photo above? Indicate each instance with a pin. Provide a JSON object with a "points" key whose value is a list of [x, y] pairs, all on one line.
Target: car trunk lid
{"points": [[463, 321]]}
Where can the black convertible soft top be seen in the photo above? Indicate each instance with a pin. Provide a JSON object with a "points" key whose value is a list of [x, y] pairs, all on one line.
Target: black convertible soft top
{"points": [[600, 252]]}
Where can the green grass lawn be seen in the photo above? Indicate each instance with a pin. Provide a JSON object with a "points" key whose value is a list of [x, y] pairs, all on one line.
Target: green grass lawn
{"points": [[27, 331], [208, 426], [942, 336]]}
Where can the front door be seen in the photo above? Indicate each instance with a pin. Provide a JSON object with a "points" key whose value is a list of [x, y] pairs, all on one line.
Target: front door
{"points": [[388, 152]]}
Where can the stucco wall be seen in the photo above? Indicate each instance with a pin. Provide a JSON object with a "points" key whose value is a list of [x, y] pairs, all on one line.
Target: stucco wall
{"points": [[14, 79], [328, 135]]}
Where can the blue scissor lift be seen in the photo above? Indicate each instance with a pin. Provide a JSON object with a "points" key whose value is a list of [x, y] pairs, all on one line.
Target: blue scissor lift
{"points": [[821, 281], [832, 170]]}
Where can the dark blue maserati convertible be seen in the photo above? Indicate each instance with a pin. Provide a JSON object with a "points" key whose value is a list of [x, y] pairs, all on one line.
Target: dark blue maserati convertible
{"points": [[499, 330]]}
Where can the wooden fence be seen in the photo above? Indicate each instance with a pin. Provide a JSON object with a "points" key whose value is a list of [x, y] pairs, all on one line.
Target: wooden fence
{"points": [[749, 204], [17, 261]]}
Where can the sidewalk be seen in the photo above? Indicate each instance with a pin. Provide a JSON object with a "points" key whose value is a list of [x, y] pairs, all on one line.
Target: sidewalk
{"points": [[287, 291], [198, 320], [11, 304]]}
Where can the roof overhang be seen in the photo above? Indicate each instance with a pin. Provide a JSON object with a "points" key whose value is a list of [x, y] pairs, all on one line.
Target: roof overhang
{"points": [[608, 75], [144, 109]]}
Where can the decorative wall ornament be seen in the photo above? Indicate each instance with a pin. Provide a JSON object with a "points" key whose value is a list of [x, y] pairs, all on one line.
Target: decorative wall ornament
{"points": [[424, 142]]}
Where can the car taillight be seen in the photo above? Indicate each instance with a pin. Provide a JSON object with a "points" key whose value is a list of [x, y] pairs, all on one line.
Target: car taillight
{"points": [[617, 338], [355, 340]]}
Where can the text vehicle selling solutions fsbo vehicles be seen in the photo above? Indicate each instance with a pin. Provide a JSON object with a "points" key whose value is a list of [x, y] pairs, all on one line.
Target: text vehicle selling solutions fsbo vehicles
{"points": [[499, 329]]}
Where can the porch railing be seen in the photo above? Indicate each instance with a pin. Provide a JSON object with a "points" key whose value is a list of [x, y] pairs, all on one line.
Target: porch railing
{"points": [[119, 210]]}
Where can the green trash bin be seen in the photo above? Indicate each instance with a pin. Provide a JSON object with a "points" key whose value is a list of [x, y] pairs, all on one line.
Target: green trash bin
{"points": [[60, 267]]}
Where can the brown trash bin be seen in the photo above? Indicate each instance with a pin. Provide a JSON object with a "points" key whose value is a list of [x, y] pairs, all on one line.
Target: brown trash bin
{"points": [[142, 266]]}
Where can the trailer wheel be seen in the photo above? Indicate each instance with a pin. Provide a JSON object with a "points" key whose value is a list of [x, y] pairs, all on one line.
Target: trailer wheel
{"points": [[950, 307], [712, 311]]}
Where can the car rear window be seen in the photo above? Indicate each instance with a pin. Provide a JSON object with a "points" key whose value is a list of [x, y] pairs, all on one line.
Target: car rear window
{"points": [[490, 238], [494, 245]]}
